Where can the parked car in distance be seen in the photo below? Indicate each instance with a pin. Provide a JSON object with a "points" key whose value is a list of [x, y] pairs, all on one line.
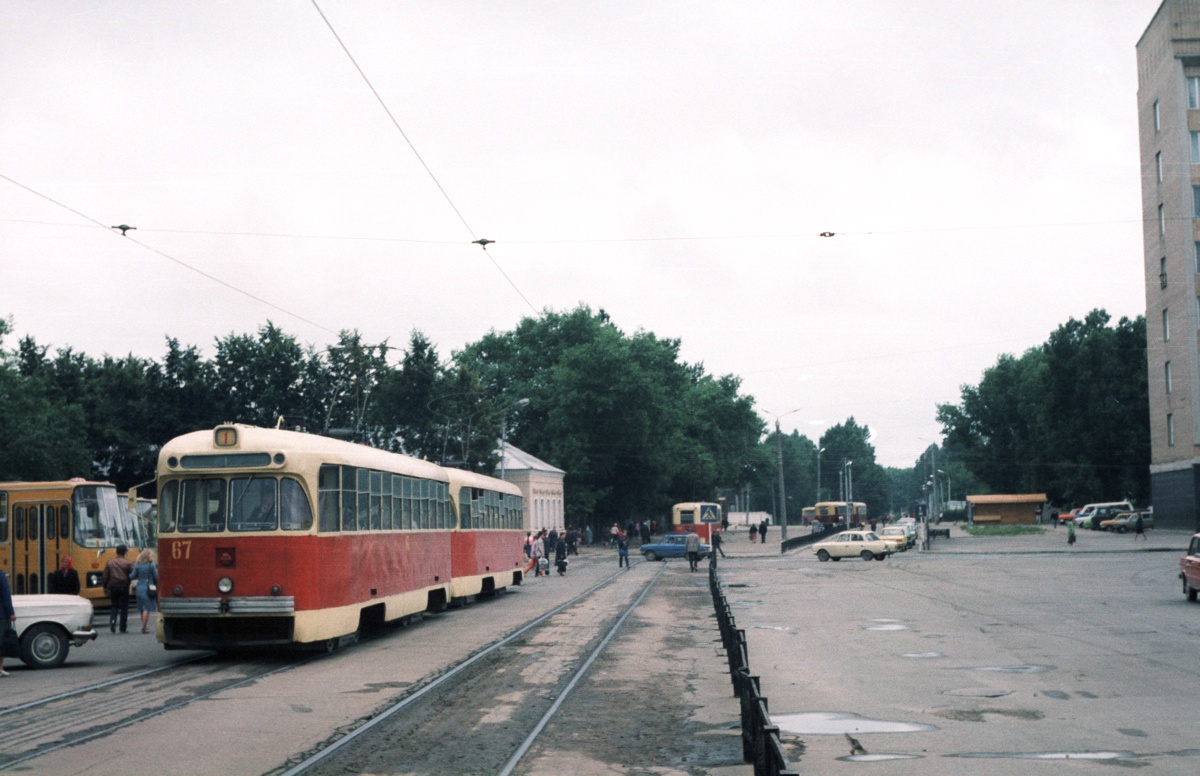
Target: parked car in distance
{"points": [[1091, 515], [909, 524], [849, 544], [1125, 521], [1189, 569], [47, 626], [898, 534], [671, 546]]}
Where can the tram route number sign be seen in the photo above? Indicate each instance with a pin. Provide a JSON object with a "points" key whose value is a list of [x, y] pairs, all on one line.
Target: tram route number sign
{"points": [[709, 513]]}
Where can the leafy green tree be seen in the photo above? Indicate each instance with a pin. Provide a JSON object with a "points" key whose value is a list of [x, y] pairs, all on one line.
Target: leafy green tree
{"points": [[1068, 418], [259, 378], [406, 401], [44, 437]]}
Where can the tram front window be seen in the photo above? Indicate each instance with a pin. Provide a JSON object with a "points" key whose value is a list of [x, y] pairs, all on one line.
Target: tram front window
{"points": [[202, 506]]}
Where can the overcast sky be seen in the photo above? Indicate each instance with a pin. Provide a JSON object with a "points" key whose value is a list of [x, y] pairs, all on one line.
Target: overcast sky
{"points": [[672, 163]]}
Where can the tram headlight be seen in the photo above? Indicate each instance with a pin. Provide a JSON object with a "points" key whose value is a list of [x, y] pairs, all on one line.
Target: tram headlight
{"points": [[276, 589], [225, 585]]}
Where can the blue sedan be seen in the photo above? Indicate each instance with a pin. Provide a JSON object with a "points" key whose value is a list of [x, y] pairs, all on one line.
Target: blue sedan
{"points": [[671, 546]]}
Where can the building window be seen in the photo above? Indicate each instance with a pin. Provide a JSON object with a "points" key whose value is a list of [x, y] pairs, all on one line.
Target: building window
{"points": [[1166, 326], [1193, 89], [1162, 222], [1167, 375], [1196, 201], [1158, 165], [1157, 122], [1170, 430], [1162, 271], [1197, 245]]}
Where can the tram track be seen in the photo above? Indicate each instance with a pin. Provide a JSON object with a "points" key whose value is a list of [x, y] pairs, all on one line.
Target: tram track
{"points": [[514, 687], [36, 728]]}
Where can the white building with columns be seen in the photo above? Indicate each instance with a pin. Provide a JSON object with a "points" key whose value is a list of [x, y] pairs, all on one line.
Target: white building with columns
{"points": [[540, 483]]}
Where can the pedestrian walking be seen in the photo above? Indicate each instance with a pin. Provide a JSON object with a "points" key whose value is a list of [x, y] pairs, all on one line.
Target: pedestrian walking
{"points": [[691, 545], [1139, 528], [753, 533], [622, 550], [8, 615], [1071, 532], [560, 556], [587, 534], [116, 584], [762, 532], [145, 574], [716, 543], [65, 581]]}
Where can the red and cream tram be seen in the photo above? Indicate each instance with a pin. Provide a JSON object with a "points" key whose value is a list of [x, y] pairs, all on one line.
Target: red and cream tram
{"points": [[270, 537], [702, 517]]}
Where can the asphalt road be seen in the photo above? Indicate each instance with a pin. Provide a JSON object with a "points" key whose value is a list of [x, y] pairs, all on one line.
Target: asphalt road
{"points": [[979, 656]]}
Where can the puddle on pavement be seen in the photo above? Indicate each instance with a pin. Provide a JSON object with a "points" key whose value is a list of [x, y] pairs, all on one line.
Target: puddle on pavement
{"points": [[885, 625], [978, 715], [978, 692], [1056, 694], [1134, 732], [835, 723], [1046, 755], [779, 628], [877, 758], [1015, 669], [922, 655]]}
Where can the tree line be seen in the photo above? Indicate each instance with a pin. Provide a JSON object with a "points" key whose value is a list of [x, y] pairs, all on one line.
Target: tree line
{"points": [[635, 427]]}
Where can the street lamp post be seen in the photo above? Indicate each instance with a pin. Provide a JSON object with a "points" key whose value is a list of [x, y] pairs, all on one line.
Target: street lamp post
{"points": [[779, 460], [819, 451], [849, 489], [504, 431]]}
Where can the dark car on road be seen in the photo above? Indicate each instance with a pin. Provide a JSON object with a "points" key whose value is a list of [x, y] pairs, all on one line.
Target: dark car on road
{"points": [[671, 546]]}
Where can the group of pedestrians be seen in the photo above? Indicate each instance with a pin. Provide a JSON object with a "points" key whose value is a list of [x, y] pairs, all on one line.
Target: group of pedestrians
{"points": [[538, 548], [119, 574]]}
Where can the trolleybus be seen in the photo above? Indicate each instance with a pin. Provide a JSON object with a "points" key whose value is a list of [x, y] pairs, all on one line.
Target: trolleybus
{"points": [[40, 522], [270, 538], [702, 517]]}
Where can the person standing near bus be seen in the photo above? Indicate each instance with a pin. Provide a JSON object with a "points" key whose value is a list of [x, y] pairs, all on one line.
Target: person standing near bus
{"points": [[65, 581], [8, 615], [146, 575], [716, 543], [116, 584], [691, 545], [622, 549]]}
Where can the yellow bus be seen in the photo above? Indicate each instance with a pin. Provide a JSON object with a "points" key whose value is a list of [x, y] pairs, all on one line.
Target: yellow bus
{"points": [[834, 512], [40, 522]]}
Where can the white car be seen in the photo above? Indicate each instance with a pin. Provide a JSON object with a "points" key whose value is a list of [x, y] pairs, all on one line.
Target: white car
{"points": [[47, 626], [851, 544]]}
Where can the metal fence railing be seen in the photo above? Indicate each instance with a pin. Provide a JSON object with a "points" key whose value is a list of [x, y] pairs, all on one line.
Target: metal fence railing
{"points": [[760, 739]]}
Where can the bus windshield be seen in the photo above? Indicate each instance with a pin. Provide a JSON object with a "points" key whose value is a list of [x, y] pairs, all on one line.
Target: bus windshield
{"points": [[99, 519]]}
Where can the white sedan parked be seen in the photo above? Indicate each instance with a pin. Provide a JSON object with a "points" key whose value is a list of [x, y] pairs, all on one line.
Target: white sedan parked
{"points": [[849, 544], [47, 626]]}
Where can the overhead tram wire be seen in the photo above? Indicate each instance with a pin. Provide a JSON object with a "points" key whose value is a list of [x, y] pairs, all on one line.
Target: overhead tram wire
{"points": [[474, 237], [171, 258]]}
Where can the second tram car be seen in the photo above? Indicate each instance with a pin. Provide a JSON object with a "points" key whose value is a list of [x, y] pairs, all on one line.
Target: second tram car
{"points": [[40, 522], [702, 517], [272, 538]]}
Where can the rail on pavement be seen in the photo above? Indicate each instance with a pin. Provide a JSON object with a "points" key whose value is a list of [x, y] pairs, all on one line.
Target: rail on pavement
{"points": [[760, 739]]}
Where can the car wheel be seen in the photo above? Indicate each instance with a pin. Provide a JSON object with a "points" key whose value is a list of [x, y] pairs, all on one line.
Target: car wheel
{"points": [[1190, 591], [650, 556], [881, 556], [1122, 529], [822, 555], [867, 555], [44, 646]]}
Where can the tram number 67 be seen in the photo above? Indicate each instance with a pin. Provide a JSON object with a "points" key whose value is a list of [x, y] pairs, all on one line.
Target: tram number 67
{"points": [[181, 550]]}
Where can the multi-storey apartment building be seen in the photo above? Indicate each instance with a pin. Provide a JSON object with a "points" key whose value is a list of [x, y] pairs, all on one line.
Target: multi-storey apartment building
{"points": [[1168, 57]]}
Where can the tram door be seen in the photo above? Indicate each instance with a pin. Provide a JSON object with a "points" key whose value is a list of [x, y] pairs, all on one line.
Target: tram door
{"points": [[40, 533]]}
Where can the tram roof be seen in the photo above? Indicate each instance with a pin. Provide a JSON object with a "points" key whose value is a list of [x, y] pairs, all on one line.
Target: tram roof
{"points": [[270, 440]]}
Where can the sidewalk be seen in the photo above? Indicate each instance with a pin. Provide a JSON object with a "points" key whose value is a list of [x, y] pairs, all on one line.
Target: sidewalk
{"points": [[1055, 540]]}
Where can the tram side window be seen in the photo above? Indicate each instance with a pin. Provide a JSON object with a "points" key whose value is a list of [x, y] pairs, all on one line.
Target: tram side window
{"points": [[464, 508], [202, 505], [385, 521], [349, 498], [376, 499], [328, 488], [364, 498], [254, 504], [407, 502], [295, 514], [167, 501], [19, 524], [397, 502]]}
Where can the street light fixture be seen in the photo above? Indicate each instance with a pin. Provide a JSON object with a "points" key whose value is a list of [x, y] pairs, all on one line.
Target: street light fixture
{"points": [[779, 458], [504, 430]]}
